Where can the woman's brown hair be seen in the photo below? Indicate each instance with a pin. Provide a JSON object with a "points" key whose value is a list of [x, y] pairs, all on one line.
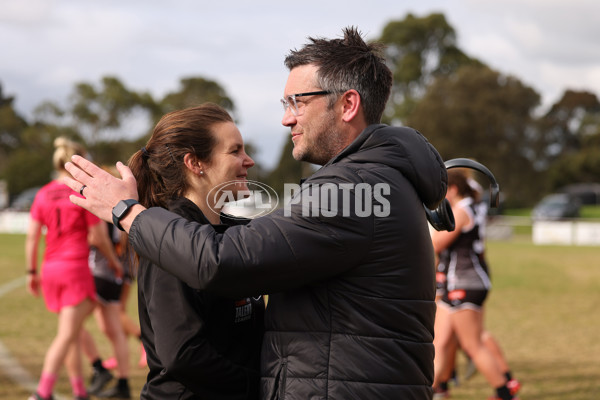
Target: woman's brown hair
{"points": [[158, 167]]}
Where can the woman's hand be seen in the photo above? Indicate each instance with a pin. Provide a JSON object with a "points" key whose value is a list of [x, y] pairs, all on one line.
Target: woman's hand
{"points": [[116, 266], [33, 284]]}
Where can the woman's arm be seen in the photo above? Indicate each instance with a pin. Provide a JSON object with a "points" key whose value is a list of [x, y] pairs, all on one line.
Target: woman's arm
{"points": [[443, 239], [99, 238], [34, 231]]}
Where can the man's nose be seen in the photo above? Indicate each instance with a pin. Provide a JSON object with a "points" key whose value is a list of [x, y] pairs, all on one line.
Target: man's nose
{"points": [[289, 119]]}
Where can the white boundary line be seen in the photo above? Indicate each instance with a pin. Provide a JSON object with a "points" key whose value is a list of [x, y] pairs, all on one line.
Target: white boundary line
{"points": [[9, 286], [8, 364]]}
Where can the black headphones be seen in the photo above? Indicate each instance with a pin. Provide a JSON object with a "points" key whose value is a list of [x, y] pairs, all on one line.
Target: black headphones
{"points": [[442, 218]]}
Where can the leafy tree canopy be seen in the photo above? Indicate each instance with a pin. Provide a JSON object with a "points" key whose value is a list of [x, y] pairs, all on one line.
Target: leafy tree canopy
{"points": [[11, 126], [194, 91], [419, 49], [101, 117], [479, 113]]}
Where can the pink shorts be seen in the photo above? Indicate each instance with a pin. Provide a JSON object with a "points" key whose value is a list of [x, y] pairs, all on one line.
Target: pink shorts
{"points": [[66, 284]]}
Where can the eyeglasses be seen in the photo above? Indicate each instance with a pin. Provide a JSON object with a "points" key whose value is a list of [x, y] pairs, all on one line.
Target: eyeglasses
{"points": [[290, 101]]}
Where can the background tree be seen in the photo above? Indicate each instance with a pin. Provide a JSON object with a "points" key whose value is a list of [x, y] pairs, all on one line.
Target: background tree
{"points": [[564, 129], [30, 164], [419, 50], [119, 121], [100, 113], [11, 127], [194, 91], [578, 166], [479, 113], [109, 119]]}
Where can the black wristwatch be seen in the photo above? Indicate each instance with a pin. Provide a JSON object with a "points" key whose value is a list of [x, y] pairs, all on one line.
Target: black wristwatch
{"points": [[120, 211]]}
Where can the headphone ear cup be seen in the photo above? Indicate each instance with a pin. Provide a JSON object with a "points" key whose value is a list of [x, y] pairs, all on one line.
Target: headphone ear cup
{"points": [[467, 163], [442, 218], [446, 214]]}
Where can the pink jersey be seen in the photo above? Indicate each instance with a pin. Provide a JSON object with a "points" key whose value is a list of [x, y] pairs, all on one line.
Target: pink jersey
{"points": [[67, 224]]}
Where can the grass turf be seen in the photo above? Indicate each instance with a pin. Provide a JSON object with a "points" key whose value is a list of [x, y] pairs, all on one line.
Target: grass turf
{"points": [[541, 310]]}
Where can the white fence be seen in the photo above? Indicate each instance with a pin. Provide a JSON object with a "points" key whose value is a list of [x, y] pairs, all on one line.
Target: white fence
{"points": [[570, 233], [13, 222], [573, 232]]}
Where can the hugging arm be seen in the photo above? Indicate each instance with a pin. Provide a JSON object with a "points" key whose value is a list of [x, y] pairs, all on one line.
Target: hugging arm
{"points": [[270, 254]]}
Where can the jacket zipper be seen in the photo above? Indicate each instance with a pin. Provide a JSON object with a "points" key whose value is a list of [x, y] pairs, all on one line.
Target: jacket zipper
{"points": [[278, 392]]}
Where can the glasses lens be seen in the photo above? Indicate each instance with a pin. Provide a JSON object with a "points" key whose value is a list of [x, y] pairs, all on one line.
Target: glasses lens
{"points": [[290, 102], [285, 104]]}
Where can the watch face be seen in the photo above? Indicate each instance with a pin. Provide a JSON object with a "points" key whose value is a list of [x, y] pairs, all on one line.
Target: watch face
{"points": [[120, 208]]}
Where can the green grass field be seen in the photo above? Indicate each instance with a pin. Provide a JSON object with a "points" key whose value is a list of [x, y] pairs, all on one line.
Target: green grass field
{"points": [[542, 310], [27, 329]]}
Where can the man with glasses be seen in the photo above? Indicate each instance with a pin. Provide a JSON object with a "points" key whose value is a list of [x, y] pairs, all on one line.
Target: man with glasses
{"points": [[351, 306]]}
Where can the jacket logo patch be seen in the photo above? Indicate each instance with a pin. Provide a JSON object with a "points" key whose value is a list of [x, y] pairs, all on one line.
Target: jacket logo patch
{"points": [[243, 310]]}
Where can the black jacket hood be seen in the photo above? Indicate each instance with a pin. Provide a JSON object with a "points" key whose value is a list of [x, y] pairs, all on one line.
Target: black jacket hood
{"points": [[405, 150]]}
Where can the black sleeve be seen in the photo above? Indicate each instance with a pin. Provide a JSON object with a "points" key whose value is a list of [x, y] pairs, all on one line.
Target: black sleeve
{"points": [[272, 253]]}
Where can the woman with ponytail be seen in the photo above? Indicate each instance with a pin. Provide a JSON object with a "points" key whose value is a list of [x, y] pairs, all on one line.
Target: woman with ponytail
{"points": [[65, 280], [464, 289], [198, 345]]}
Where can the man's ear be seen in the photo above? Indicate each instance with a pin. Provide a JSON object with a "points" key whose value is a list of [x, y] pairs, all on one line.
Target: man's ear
{"points": [[351, 105]]}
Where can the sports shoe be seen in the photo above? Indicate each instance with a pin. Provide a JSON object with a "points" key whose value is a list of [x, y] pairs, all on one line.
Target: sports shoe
{"points": [[116, 392], [99, 379], [514, 386], [454, 378], [110, 363], [470, 369], [36, 396], [498, 398], [439, 394]]}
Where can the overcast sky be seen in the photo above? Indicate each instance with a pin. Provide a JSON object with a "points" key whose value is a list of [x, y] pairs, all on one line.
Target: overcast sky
{"points": [[47, 46]]}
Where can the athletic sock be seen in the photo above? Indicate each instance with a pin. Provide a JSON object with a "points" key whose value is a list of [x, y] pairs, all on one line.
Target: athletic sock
{"points": [[78, 386], [46, 385], [503, 393], [508, 376]]}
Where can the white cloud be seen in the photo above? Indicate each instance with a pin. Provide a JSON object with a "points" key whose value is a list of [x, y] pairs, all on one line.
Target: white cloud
{"points": [[26, 13], [570, 77], [478, 46], [527, 33]]}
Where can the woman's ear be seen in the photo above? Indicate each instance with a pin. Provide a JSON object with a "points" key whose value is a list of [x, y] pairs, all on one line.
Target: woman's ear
{"points": [[192, 164]]}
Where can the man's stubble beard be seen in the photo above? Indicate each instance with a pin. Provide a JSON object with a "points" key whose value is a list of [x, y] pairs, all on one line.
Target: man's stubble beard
{"points": [[324, 146]]}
